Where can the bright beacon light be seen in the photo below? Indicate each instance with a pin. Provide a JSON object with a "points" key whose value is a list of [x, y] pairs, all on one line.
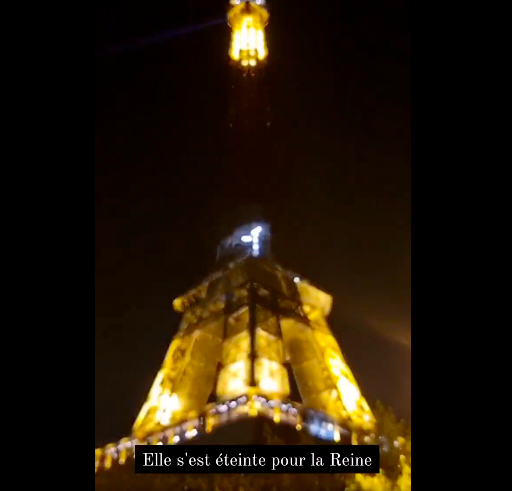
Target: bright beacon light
{"points": [[256, 241]]}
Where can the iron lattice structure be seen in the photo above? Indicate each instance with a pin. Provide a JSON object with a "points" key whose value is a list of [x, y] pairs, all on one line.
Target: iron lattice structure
{"points": [[249, 335], [254, 341]]}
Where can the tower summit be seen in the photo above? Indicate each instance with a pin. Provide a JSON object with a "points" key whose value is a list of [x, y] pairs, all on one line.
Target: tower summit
{"points": [[254, 342], [249, 114], [248, 20]]}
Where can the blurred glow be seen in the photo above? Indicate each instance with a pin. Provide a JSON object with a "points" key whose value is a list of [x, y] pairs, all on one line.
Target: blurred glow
{"points": [[256, 240], [248, 24], [237, 46], [252, 39], [247, 239], [123, 450], [337, 436], [109, 451], [269, 385], [234, 380], [153, 399], [169, 404], [350, 393], [261, 45], [272, 378], [297, 280], [98, 453], [191, 434]]}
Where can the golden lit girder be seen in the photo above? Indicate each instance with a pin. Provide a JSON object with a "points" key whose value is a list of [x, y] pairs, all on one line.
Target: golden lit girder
{"points": [[317, 306], [245, 331], [248, 20], [184, 383]]}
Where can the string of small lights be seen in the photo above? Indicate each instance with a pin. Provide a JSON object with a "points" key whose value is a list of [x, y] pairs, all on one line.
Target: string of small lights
{"points": [[317, 424]]}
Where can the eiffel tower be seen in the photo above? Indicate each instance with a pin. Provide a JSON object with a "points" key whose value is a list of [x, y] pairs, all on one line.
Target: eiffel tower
{"points": [[254, 343]]}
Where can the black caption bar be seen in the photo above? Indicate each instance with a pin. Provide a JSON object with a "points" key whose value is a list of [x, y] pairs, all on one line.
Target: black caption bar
{"points": [[293, 459]]}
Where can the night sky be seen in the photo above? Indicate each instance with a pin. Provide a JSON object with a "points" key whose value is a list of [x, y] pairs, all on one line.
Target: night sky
{"points": [[332, 175]]}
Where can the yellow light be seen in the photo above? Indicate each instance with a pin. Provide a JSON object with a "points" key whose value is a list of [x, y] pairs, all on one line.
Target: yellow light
{"points": [[271, 376], [236, 385], [299, 427], [261, 45], [168, 405], [253, 62], [248, 22], [244, 37], [337, 436], [97, 457], [245, 63], [108, 456], [237, 46], [252, 39], [191, 434], [123, 454], [269, 385], [209, 425], [179, 305], [350, 394], [234, 380]]}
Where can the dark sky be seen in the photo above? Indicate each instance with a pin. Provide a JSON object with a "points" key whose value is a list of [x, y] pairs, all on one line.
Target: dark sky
{"points": [[333, 176]]}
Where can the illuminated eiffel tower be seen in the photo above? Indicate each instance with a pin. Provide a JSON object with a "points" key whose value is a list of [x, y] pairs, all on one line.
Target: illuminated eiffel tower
{"points": [[253, 343]]}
